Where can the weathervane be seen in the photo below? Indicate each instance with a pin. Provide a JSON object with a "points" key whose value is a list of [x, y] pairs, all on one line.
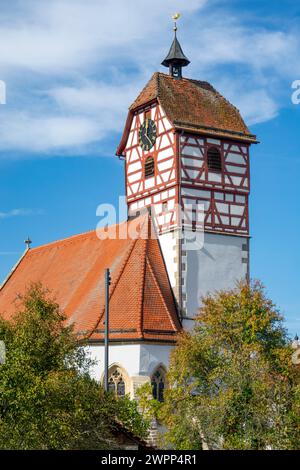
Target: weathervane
{"points": [[176, 59], [28, 243], [175, 18]]}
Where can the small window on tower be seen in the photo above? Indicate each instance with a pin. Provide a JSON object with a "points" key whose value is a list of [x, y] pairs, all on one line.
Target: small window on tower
{"points": [[149, 167], [214, 159]]}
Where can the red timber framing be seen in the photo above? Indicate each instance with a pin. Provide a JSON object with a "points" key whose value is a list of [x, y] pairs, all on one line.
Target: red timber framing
{"points": [[163, 153], [160, 190], [182, 177], [223, 195]]}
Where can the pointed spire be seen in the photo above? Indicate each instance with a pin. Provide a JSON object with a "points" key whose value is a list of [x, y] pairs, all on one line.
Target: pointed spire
{"points": [[176, 59]]}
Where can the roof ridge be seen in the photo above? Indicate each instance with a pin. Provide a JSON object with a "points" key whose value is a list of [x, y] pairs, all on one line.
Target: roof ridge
{"points": [[74, 237], [14, 268], [158, 85], [61, 240], [195, 80]]}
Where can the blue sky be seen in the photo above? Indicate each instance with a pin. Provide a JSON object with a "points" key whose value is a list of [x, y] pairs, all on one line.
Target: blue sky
{"points": [[72, 67]]}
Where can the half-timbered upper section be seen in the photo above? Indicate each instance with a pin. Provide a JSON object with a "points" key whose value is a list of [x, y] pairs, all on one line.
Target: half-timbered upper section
{"points": [[199, 154], [148, 171], [215, 180]]}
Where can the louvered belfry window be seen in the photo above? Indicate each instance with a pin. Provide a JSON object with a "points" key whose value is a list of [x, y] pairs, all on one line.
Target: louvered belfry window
{"points": [[149, 167], [214, 160]]}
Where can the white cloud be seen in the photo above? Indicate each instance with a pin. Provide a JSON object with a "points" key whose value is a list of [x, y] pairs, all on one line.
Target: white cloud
{"points": [[24, 132], [62, 34], [93, 97], [229, 42], [74, 66], [20, 213], [257, 106]]}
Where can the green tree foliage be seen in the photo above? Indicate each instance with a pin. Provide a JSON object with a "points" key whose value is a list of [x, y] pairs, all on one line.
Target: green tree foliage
{"points": [[232, 384], [47, 398]]}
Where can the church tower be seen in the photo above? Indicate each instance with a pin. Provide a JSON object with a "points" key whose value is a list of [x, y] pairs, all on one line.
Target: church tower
{"points": [[186, 152]]}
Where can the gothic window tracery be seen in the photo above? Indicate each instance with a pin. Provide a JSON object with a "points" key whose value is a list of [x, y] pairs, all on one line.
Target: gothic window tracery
{"points": [[117, 382], [158, 382]]}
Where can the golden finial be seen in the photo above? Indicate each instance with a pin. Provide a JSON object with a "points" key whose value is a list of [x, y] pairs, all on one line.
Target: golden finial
{"points": [[175, 18]]}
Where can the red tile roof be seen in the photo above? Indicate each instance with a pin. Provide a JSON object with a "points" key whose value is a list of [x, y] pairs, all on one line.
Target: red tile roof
{"points": [[142, 305], [191, 105]]}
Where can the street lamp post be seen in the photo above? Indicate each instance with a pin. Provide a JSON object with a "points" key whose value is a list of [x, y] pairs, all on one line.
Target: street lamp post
{"points": [[106, 333]]}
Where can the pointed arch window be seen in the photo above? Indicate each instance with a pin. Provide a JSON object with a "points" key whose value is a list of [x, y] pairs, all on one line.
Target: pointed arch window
{"points": [[117, 382], [214, 160], [149, 167], [158, 382], [121, 388], [111, 385]]}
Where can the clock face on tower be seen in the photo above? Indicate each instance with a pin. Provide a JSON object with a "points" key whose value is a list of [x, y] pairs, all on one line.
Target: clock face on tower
{"points": [[147, 134]]}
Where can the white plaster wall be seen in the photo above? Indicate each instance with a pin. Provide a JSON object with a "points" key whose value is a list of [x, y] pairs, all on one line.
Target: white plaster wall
{"points": [[153, 355], [127, 355], [168, 248], [136, 359], [218, 265]]}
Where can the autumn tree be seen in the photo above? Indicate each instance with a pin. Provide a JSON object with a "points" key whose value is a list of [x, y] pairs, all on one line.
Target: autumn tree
{"points": [[231, 381], [47, 397]]}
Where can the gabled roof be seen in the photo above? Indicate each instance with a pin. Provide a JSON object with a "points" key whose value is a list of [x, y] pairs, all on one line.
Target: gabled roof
{"points": [[142, 306], [193, 106]]}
